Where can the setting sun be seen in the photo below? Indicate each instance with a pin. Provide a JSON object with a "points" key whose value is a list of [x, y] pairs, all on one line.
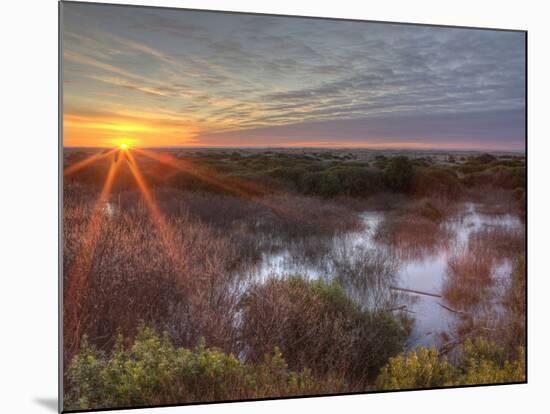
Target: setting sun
{"points": [[124, 146]]}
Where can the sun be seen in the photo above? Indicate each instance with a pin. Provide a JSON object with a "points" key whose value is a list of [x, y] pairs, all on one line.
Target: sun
{"points": [[123, 146]]}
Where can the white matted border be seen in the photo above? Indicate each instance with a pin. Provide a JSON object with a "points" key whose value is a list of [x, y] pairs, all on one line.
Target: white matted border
{"points": [[28, 207]]}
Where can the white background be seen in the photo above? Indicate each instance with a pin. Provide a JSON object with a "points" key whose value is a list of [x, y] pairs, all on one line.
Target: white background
{"points": [[28, 204]]}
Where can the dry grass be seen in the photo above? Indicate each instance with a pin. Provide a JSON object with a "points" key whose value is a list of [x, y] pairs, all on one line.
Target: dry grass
{"points": [[197, 283], [133, 277]]}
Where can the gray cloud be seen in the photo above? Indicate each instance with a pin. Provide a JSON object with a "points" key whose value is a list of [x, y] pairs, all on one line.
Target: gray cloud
{"points": [[481, 130], [261, 71]]}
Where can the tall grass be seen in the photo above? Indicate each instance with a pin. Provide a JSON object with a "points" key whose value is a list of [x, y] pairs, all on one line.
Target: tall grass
{"points": [[230, 335]]}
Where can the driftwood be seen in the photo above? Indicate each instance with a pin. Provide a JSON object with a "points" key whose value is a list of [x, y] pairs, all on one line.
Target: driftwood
{"points": [[418, 292], [450, 309], [402, 308]]}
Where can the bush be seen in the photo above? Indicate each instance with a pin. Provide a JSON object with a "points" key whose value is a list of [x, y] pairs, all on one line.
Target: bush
{"points": [[291, 175], [437, 181], [380, 161], [357, 181], [479, 362], [316, 325], [153, 372], [483, 159], [483, 362], [399, 174], [499, 176], [421, 368], [320, 183]]}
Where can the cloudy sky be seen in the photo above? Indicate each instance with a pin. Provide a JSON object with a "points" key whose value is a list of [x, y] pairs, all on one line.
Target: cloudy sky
{"points": [[159, 77]]}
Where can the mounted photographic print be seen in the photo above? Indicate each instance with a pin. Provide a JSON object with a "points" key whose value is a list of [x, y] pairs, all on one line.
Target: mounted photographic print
{"points": [[264, 206]]}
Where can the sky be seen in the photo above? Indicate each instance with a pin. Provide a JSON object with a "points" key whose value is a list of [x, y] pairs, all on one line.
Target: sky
{"points": [[156, 77]]}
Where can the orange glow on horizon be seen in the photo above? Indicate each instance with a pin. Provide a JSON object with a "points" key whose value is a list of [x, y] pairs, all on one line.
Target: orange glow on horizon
{"points": [[104, 130], [158, 129]]}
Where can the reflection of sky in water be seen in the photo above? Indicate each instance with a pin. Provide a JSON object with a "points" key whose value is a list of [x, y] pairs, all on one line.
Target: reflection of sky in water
{"points": [[109, 209], [473, 221], [424, 273]]}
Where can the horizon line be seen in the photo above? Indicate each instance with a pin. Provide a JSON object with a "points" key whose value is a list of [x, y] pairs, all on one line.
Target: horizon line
{"points": [[303, 147]]}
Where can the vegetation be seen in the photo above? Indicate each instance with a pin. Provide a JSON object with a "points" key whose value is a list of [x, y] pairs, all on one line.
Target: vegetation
{"points": [[234, 328], [153, 372], [398, 174], [328, 174], [479, 362], [317, 326]]}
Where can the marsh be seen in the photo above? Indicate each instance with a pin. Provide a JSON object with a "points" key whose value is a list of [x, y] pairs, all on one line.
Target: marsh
{"points": [[340, 260]]}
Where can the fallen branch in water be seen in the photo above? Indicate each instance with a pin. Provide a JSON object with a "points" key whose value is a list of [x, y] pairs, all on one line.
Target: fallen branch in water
{"points": [[402, 308], [399, 308], [450, 309], [418, 292], [450, 345]]}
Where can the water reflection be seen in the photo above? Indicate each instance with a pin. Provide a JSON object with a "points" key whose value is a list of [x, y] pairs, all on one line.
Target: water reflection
{"points": [[458, 275], [109, 209]]}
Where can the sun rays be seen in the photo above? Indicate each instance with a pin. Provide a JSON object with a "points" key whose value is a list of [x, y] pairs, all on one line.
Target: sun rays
{"points": [[87, 161], [78, 276], [77, 279], [164, 230], [123, 156], [94, 228], [239, 187]]}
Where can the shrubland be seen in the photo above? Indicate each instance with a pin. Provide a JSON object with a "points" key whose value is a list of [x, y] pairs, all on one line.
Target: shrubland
{"points": [[227, 335], [152, 371], [478, 362]]}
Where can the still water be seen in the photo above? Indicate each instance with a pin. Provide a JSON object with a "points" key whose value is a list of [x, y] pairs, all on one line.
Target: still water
{"points": [[424, 272]]}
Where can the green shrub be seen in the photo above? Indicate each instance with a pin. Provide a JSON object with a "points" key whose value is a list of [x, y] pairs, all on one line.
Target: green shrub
{"points": [[289, 175], [421, 368], [482, 159], [320, 183], [498, 176], [398, 174], [479, 362], [153, 372], [380, 161], [436, 180], [483, 362], [357, 180]]}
